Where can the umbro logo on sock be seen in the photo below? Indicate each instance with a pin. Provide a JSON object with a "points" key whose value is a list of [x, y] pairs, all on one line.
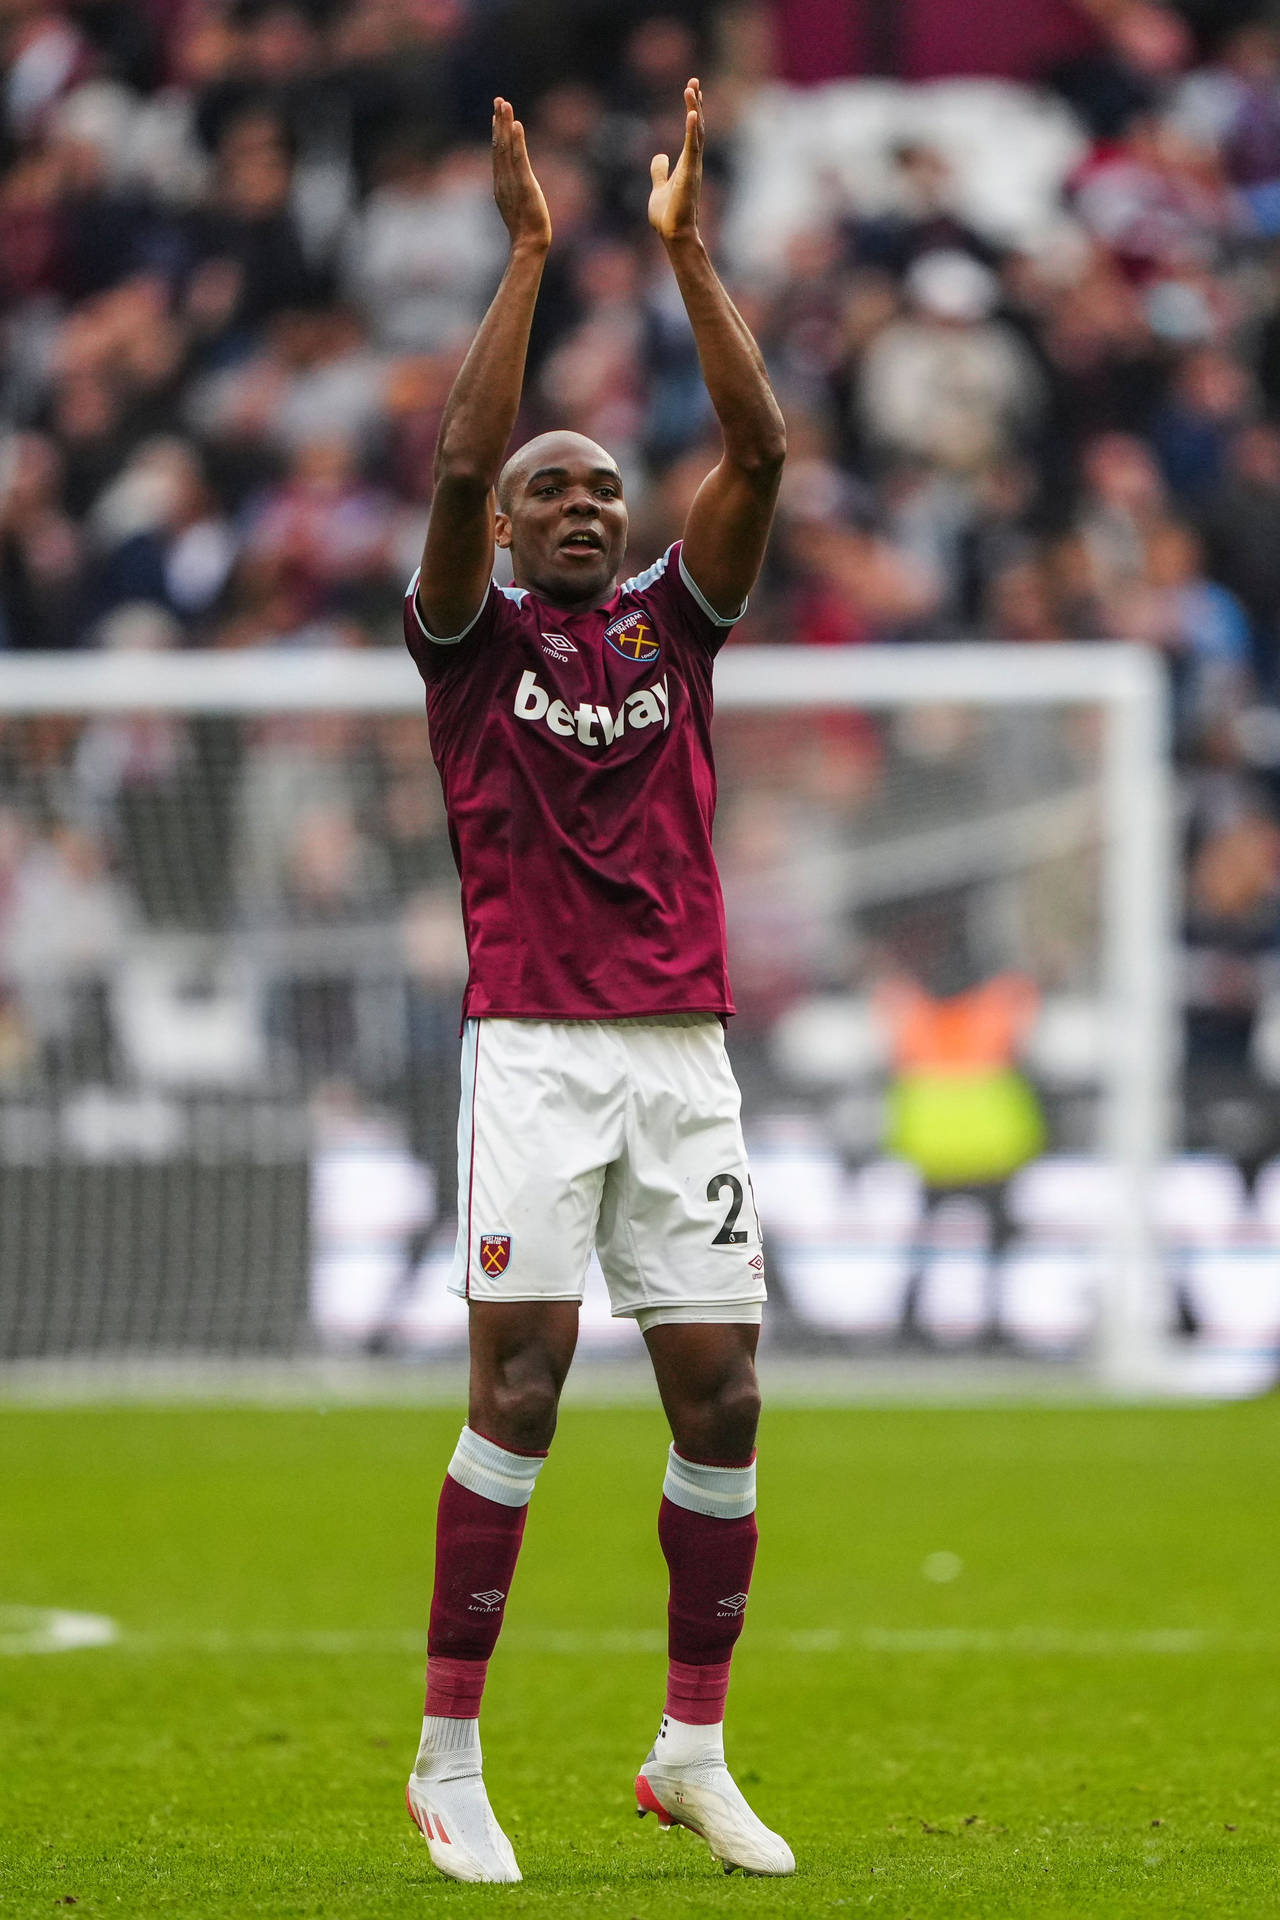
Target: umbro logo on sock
{"points": [[733, 1603], [491, 1600]]}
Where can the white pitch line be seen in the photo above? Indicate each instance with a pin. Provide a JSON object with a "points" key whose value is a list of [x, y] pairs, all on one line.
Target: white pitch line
{"points": [[32, 1630], [1044, 1641], [25, 1630]]}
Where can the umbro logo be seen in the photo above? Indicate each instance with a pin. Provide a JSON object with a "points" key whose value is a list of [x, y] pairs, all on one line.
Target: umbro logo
{"points": [[490, 1600], [557, 646], [733, 1604], [757, 1261]]}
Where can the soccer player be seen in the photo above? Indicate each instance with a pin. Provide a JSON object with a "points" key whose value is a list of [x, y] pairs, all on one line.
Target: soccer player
{"points": [[570, 720]]}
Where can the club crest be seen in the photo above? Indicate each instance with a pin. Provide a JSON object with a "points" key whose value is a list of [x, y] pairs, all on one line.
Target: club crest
{"points": [[632, 635], [495, 1251]]}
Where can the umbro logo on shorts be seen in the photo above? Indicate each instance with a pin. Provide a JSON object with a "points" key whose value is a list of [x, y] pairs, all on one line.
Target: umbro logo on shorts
{"points": [[495, 1251], [558, 645]]}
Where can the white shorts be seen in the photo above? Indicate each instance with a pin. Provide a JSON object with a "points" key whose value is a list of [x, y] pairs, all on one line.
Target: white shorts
{"points": [[622, 1135]]}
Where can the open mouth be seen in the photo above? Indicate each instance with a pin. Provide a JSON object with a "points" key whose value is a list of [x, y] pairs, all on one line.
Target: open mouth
{"points": [[582, 542]]}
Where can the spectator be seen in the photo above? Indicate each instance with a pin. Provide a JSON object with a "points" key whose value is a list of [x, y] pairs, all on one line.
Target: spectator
{"points": [[333, 871], [249, 227], [806, 317], [315, 376], [1122, 499], [243, 245], [292, 769], [64, 928], [1156, 202], [924, 217], [1242, 534], [949, 383], [426, 250], [1200, 626], [1106, 369], [1210, 398], [1234, 106], [1232, 931], [1141, 48], [260, 60], [45, 56], [41, 550], [849, 582], [1021, 605], [324, 538], [398, 74], [333, 875], [593, 380], [161, 538], [414, 395]]}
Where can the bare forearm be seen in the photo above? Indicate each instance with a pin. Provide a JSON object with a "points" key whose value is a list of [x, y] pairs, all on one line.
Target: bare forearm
{"points": [[732, 364], [481, 410]]}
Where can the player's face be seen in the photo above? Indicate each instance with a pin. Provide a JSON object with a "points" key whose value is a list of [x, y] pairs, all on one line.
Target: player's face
{"points": [[567, 527]]}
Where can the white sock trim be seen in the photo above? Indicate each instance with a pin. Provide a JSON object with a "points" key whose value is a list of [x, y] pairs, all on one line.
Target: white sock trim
{"points": [[449, 1749], [441, 1735], [681, 1745], [722, 1493], [492, 1472]]}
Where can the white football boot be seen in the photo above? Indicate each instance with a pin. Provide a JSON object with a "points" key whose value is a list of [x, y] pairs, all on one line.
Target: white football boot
{"points": [[704, 1797], [456, 1821]]}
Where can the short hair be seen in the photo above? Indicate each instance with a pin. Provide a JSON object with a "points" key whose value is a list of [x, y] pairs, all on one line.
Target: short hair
{"points": [[507, 479], [515, 466]]}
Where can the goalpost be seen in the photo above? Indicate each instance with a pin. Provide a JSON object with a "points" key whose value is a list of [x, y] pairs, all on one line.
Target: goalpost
{"points": [[1128, 685], [224, 922]]}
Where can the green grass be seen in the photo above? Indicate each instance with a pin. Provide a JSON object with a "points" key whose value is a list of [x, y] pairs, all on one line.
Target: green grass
{"points": [[1085, 1722]]}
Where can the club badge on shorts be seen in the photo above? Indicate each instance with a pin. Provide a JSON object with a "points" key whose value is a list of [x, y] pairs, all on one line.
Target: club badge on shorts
{"points": [[495, 1251]]}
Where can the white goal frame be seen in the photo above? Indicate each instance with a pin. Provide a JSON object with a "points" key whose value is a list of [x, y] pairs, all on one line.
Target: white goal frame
{"points": [[1127, 682]]}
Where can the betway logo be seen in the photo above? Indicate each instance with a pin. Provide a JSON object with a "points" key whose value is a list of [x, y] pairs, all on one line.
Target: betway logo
{"points": [[647, 707]]}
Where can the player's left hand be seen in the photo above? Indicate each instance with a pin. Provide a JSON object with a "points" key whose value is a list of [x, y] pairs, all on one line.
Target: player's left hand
{"points": [[673, 203]]}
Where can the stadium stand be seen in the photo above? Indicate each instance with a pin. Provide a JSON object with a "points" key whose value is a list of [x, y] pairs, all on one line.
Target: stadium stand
{"points": [[1025, 325]]}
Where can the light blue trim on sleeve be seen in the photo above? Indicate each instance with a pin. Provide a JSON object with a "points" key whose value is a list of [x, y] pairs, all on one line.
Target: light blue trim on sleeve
{"points": [[639, 582], [717, 619], [438, 639]]}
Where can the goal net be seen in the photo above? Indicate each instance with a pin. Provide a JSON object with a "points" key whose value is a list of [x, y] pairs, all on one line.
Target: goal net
{"points": [[231, 962]]}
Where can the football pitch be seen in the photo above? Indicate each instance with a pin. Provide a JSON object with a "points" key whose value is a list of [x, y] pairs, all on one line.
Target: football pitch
{"points": [[997, 1662]]}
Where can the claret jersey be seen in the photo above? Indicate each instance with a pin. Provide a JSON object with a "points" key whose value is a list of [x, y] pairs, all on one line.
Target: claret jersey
{"points": [[575, 754]]}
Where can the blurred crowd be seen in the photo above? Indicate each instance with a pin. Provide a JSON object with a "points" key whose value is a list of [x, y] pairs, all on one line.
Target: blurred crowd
{"points": [[244, 245]]}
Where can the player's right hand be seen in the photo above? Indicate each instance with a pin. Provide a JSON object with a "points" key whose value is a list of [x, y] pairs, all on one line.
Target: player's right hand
{"points": [[515, 186]]}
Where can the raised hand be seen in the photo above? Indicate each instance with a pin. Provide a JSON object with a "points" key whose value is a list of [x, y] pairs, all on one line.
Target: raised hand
{"points": [[673, 203], [515, 186]]}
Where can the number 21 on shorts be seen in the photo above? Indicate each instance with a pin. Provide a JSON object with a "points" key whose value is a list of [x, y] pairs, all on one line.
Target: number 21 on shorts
{"points": [[730, 1233]]}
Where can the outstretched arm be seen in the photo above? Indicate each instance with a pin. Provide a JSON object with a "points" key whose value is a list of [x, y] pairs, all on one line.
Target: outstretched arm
{"points": [[729, 520], [481, 409]]}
